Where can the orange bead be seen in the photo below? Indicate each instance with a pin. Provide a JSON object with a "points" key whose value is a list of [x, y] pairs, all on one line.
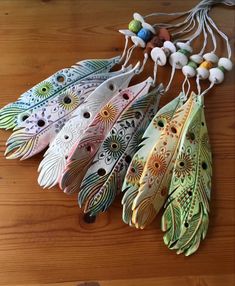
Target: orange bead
{"points": [[206, 64]]}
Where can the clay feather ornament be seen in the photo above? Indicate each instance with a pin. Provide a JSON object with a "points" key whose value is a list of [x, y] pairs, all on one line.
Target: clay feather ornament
{"points": [[14, 113], [157, 174], [104, 177], [150, 137], [36, 132], [185, 219], [54, 161], [86, 147]]}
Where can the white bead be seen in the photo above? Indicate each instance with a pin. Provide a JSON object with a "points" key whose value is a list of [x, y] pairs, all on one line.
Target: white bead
{"points": [[188, 71], [178, 60], [138, 17], [138, 41], [203, 73], [149, 27], [127, 33], [216, 75], [197, 59], [225, 63], [211, 57], [158, 55], [184, 46], [170, 46]]}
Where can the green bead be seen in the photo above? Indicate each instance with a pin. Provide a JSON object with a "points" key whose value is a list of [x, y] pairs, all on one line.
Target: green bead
{"points": [[192, 64], [222, 69], [185, 52], [135, 26]]}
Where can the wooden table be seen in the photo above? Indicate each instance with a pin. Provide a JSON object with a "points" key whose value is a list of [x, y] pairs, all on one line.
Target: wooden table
{"points": [[43, 237]]}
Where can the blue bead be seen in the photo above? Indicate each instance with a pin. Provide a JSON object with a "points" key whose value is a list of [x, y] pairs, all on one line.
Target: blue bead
{"points": [[144, 34]]}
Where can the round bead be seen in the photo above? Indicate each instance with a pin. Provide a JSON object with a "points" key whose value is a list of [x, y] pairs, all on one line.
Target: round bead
{"points": [[170, 46], [225, 63], [127, 33], [184, 46], [206, 65], [164, 35], [197, 59], [188, 71], [216, 75], [144, 34], [185, 52], [149, 27], [211, 57], [135, 26], [178, 60], [158, 55], [138, 41], [138, 17], [203, 73]]}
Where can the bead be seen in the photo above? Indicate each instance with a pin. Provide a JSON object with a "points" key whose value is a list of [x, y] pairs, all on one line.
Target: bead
{"points": [[216, 75], [127, 33], [138, 17], [188, 71], [203, 73], [164, 35], [197, 59], [192, 64], [170, 46], [211, 57], [138, 41], [144, 34], [135, 26], [178, 60], [158, 55], [149, 27], [184, 47], [185, 52], [225, 63], [206, 65]]}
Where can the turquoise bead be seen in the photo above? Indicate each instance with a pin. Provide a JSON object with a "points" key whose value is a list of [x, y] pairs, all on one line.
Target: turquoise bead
{"points": [[145, 34]]}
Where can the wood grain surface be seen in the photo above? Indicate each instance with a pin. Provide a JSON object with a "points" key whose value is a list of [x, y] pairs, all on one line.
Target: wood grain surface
{"points": [[43, 237]]}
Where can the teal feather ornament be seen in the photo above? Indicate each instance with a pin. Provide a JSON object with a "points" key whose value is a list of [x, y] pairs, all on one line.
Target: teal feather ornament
{"points": [[14, 113], [186, 216], [102, 180], [150, 137]]}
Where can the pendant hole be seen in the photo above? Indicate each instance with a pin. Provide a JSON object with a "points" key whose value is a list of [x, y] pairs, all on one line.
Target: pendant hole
{"points": [[181, 164], [133, 170], [204, 165], [190, 193], [101, 172], [66, 157], [128, 159], [160, 123], [67, 100], [106, 113], [173, 130], [87, 115], [41, 123], [60, 78], [111, 86], [138, 115], [186, 225], [125, 96], [66, 137], [191, 136], [203, 123], [88, 148], [44, 89], [24, 117], [114, 145], [156, 165]]}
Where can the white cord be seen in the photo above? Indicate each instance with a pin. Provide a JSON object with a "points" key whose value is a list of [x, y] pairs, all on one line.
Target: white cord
{"points": [[125, 49], [155, 72], [128, 55], [211, 33], [204, 34]]}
